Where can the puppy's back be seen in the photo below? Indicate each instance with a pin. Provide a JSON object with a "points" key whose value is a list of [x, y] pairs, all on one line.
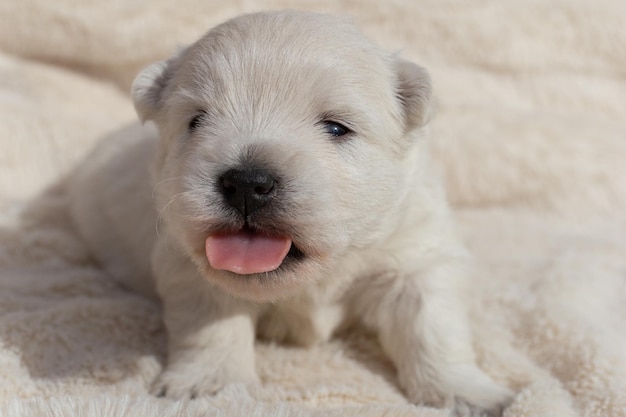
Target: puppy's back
{"points": [[111, 205]]}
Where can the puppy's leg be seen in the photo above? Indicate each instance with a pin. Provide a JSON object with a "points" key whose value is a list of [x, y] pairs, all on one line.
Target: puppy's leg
{"points": [[210, 335], [422, 325]]}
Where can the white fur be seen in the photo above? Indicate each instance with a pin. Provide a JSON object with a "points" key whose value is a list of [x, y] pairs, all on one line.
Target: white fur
{"points": [[368, 211]]}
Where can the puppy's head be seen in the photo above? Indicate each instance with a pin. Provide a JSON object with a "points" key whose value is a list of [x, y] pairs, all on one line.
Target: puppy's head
{"points": [[284, 143]]}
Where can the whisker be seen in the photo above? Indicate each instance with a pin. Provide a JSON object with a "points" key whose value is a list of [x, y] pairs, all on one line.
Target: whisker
{"points": [[162, 182], [160, 212]]}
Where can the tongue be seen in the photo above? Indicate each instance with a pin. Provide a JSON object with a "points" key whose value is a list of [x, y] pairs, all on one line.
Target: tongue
{"points": [[245, 252]]}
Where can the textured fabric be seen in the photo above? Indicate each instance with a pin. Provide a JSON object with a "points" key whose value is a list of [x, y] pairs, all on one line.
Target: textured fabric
{"points": [[530, 129]]}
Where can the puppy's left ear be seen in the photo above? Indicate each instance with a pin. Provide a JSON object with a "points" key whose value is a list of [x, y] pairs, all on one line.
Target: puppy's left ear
{"points": [[147, 90], [149, 87], [413, 89]]}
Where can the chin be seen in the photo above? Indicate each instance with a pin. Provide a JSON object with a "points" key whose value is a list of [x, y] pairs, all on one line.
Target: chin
{"points": [[295, 274]]}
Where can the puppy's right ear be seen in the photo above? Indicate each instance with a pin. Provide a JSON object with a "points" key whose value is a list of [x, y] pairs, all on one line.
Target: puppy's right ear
{"points": [[414, 92], [148, 88]]}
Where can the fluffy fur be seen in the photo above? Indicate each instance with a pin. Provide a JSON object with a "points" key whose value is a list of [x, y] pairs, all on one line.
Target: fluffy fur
{"points": [[367, 212]]}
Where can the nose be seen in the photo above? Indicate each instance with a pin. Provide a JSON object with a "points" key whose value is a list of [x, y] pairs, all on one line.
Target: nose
{"points": [[247, 190]]}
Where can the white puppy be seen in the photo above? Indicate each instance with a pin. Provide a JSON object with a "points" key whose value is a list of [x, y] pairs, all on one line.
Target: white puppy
{"points": [[293, 192]]}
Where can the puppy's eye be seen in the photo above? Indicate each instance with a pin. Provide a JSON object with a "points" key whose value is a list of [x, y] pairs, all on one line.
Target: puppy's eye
{"points": [[196, 121], [335, 129]]}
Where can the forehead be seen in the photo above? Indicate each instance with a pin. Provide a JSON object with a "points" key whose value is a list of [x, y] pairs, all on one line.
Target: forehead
{"points": [[284, 38], [279, 60]]}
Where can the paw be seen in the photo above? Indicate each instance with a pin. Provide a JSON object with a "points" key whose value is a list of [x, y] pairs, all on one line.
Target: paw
{"points": [[465, 388], [477, 393], [462, 408], [189, 382]]}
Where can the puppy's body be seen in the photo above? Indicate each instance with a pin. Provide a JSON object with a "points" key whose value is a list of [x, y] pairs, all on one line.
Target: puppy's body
{"points": [[284, 128]]}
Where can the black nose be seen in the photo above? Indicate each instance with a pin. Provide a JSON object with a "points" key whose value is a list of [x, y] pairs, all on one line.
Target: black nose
{"points": [[247, 190]]}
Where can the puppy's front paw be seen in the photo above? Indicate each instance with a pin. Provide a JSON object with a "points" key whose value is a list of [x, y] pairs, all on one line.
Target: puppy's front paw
{"points": [[476, 394], [466, 388], [462, 408], [193, 380]]}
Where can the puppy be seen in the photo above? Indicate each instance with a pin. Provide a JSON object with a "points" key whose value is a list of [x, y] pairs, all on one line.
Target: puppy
{"points": [[290, 192]]}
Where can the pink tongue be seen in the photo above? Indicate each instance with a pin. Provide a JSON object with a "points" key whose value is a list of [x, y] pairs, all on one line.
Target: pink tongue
{"points": [[245, 252]]}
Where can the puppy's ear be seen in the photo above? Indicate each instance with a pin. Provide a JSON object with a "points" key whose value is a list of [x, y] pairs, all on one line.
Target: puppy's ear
{"points": [[413, 90], [148, 87]]}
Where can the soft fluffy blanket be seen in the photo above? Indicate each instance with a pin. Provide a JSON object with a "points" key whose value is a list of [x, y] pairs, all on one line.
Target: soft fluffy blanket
{"points": [[530, 129]]}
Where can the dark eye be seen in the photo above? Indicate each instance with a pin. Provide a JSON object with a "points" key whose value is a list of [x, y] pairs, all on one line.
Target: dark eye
{"points": [[335, 129], [196, 121]]}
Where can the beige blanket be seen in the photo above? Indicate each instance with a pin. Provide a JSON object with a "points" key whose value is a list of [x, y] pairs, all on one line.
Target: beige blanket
{"points": [[530, 128]]}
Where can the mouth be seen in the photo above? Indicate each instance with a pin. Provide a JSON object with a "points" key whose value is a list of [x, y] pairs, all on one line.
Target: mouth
{"points": [[249, 251]]}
